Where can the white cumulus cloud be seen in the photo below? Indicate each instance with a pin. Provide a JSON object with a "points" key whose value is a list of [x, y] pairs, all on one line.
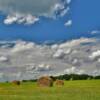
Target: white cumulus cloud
{"points": [[74, 70], [17, 18], [28, 11], [95, 32], [95, 55], [68, 23], [3, 59]]}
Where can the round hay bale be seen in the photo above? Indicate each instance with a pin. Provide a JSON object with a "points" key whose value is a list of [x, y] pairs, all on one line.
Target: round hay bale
{"points": [[45, 81], [16, 82], [59, 82]]}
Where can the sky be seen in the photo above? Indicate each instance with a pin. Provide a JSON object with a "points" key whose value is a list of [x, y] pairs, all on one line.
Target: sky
{"points": [[70, 26], [83, 16]]}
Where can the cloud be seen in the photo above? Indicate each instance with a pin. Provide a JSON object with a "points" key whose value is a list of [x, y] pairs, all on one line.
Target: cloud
{"points": [[95, 55], [21, 46], [43, 67], [68, 1], [3, 59], [65, 11], [77, 42], [28, 11], [74, 70], [95, 32], [30, 60], [68, 23], [96, 72], [39, 67], [21, 19], [59, 53]]}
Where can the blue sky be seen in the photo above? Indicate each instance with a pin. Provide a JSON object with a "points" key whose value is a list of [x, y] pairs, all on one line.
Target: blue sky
{"points": [[85, 18]]}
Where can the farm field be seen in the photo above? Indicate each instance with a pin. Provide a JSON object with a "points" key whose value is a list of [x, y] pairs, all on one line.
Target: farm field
{"points": [[72, 90]]}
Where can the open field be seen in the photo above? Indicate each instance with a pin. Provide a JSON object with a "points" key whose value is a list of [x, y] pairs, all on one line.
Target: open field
{"points": [[73, 90]]}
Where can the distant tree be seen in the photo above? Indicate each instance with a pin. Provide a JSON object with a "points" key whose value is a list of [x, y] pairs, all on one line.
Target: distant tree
{"points": [[24, 80], [53, 78], [97, 77], [66, 77], [74, 77], [32, 80]]}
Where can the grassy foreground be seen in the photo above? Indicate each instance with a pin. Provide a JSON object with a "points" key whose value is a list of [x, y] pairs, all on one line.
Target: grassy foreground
{"points": [[72, 90]]}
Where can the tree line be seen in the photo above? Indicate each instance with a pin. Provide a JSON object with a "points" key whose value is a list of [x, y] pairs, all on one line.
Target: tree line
{"points": [[69, 77]]}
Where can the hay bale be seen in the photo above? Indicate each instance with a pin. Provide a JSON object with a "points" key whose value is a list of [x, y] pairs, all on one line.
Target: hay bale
{"points": [[59, 82], [45, 81], [16, 82]]}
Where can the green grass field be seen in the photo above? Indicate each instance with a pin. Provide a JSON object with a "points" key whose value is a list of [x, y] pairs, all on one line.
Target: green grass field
{"points": [[73, 90]]}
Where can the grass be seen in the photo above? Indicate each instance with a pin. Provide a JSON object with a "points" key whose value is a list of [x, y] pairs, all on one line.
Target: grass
{"points": [[73, 90]]}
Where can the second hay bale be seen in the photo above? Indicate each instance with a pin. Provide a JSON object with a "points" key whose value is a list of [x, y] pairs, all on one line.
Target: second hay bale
{"points": [[16, 82], [59, 82]]}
